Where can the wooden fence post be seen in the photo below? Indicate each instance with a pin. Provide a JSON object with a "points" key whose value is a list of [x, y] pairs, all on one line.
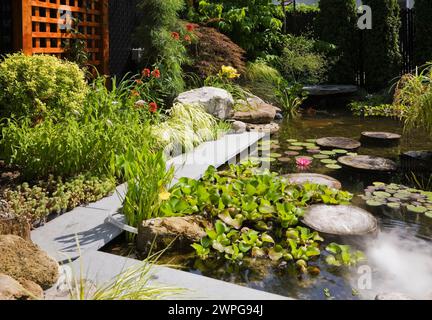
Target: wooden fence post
{"points": [[105, 37]]}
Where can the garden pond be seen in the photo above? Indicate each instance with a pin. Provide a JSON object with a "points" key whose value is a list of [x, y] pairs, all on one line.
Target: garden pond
{"points": [[399, 257]]}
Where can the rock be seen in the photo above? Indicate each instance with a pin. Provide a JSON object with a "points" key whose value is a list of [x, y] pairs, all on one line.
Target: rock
{"points": [[175, 232], [393, 296], [12, 225], [238, 127], [368, 163], [21, 259], [11, 289], [338, 143], [254, 110], [279, 116], [215, 101], [340, 220], [380, 138], [302, 178], [268, 128]]}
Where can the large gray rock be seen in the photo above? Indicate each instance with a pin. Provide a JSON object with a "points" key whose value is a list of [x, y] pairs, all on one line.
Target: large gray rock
{"points": [[368, 163], [11, 289], [22, 259], [255, 110], [215, 101], [344, 220], [173, 232], [238, 127]]}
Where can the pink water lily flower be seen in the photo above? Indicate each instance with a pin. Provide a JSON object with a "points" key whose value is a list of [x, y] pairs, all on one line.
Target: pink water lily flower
{"points": [[303, 162]]}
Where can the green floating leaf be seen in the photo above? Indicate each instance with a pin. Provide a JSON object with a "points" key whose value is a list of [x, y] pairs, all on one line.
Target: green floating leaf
{"points": [[295, 148], [333, 166], [328, 161], [394, 205], [428, 214], [374, 203], [321, 156], [291, 140], [382, 194], [327, 152], [340, 151], [416, 209]]}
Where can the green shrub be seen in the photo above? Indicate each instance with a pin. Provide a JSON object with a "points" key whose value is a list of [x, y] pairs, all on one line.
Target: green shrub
{"points": [[160, 34], [381, 44], [336, 24], [300, 62], [40, 85], [423, 34]]}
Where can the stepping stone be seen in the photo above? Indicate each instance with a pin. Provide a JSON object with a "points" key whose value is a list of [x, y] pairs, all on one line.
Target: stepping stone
{"points": [[338, 143], [393, 296], [301, 178], [421, 160], [380, 138], [340, 220], [368, 163]]}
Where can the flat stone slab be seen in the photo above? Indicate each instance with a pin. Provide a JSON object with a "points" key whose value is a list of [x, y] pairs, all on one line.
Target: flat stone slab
{"points": [[368, 163], [393, 296], [380, 137], [302, 178], [100, 267], [421, 158], [340, 220], [338, 143], [328, 90]]}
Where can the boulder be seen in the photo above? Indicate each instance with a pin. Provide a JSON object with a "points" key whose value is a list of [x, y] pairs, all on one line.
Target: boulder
{"points": [[215, 101], [11, 289], [238, 127], [173, 232], [393, 296], [379, 138], [267, 128], [344, 220], [10, 224], [255, 110], [22, 259], [302, 178]]}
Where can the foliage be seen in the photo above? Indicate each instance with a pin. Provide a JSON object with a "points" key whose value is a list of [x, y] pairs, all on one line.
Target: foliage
{"points": [[56, 195], [75, 47], [81, 141], [250, 24], [336, 23], [164, 39], [414, 92], [213, 50], [39, 86], [381, 44], [366, 109], [225, 79], [147, 177], [343, 255], [423, 46], [187, 127], [254, 214], [290, 99], [300, 62]]}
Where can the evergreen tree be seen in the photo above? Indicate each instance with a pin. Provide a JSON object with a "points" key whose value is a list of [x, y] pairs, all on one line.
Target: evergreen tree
{"points": [[381, 44], [336, 23], [423, 35]]}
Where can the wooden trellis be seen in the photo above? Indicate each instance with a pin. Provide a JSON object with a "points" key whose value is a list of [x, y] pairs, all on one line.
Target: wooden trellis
{"points": [[44, 25]]}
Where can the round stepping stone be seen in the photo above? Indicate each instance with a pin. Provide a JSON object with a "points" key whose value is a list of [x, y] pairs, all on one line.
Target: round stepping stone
{"points": [[301, 178], [368, 163], [338, 143], [342, 220], [380, 138]]}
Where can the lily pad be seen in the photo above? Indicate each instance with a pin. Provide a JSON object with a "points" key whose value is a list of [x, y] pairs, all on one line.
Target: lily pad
{"points": [[428, 214], [312, 151], [328, 161], [393, 205], [327, 152], [321, 156], [340, 151], [292, 153], [416, 209], [295, 148], [284, 159], [333, 166], [291, 140], [374, 203], [382, 194], [275, 155]]}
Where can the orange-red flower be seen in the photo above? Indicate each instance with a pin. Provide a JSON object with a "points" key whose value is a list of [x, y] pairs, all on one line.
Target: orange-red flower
{"points": [[156, 73], [190, 27], [175, 35], [188, 38], [146, 72], [153, 107], [138, 81]]}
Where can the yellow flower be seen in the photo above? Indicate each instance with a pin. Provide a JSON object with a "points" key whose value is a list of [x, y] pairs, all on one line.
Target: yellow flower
{"points": [[164, 195], [229, 72]]}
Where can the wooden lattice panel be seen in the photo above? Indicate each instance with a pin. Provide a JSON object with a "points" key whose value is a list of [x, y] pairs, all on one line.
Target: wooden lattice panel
{"points": [[46, 24]]}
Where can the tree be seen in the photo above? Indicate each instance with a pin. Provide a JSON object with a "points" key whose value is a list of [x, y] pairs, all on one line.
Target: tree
{"points": [[381, 44], [423, 35], [336, 24]]}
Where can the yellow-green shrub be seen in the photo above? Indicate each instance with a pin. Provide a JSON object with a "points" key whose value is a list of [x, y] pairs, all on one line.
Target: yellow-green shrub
{"points": [[40, 85]]}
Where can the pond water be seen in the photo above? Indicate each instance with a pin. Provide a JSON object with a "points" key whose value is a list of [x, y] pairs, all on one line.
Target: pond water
{"points": [[399, 257]]}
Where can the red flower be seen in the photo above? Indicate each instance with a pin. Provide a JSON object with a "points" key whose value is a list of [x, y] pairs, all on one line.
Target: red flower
{"points": [[153, 107], [156, 73], [138, 81], [175, 35], [190, 27], [188, 38], [146, 72]]}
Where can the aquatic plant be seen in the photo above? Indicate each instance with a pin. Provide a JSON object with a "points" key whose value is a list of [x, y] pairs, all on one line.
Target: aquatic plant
{"points": [[254, 213], [343, 255]]}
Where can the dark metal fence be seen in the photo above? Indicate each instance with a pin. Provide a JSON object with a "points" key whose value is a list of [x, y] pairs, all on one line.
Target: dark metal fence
{"points": [[406, 39]]}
